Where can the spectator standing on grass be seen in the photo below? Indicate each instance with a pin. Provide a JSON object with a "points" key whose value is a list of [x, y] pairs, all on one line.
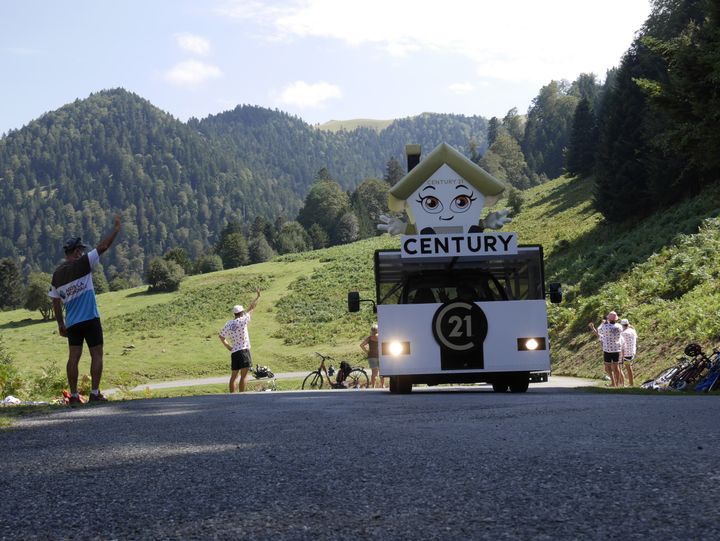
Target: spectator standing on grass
{"points": [[370, 346], [237, 331], [629, 350], [72, 289], [608, 372], [610, 335]]}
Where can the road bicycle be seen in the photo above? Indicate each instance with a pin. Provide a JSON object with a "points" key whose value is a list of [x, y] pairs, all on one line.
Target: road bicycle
{"points": [[693, 371], [355, 377], [686, 371], [711, 381]]}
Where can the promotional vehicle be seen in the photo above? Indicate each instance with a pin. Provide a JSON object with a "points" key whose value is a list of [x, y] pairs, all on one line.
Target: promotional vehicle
{"points": [[456, 304], [462, 319]]}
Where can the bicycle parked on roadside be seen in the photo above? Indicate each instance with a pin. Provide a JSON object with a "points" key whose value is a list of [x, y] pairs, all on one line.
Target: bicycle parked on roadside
{"points": [[687, 372], [346, 375]]}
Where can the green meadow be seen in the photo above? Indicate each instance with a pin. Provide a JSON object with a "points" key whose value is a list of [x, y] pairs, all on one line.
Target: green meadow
{"points": [[661, 272]]}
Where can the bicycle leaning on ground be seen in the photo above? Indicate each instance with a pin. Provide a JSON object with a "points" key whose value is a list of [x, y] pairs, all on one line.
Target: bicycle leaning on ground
{"points": [[346, 377], [686, 372]]}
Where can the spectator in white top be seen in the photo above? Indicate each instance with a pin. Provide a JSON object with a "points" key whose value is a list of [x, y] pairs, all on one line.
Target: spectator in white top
{"points": [[610, 335], [629, 349], [237, 330]]}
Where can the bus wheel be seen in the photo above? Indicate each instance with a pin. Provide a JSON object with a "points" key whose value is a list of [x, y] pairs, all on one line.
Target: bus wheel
{"points": [[400, 384], [500, 386], [520, 382]]}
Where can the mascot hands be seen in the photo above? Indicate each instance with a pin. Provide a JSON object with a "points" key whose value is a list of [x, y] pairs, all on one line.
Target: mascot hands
{"points": [[391, 225], [495, 220]]}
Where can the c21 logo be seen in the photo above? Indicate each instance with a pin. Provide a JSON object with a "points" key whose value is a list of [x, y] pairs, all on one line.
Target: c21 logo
{"points": [[460, 327]]}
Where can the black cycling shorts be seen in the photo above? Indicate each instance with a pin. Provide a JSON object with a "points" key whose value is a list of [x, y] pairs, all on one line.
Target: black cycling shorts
{"points": [[89, 331], [240, 359], [611, 357]]}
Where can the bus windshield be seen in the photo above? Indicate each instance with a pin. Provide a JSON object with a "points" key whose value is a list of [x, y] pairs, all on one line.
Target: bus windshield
{"points": [[477, 279]]}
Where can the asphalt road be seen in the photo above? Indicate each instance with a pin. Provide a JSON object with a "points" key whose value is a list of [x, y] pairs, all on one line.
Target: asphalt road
{"points": [[554, 463]]}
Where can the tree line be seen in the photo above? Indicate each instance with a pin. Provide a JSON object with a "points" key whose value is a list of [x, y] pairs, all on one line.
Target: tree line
{"points": [[652, 138]]}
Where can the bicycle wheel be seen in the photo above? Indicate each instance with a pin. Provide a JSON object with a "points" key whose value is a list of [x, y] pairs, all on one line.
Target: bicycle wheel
{"points": [[357, 379], [314, 380]]}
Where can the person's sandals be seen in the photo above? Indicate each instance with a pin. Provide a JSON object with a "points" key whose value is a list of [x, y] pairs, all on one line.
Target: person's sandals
{"points": [[75, 401], [97, 398]]}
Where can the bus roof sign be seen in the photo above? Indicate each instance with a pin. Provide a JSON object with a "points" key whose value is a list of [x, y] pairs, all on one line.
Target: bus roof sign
{"points": [[458, 245]]}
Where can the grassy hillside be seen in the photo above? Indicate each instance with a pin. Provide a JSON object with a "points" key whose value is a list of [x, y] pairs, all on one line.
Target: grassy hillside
{"points": [[660, 272], [167, 336]]}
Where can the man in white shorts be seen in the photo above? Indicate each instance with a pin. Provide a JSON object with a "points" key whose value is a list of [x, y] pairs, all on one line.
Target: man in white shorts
{"points": [[629, 349]]}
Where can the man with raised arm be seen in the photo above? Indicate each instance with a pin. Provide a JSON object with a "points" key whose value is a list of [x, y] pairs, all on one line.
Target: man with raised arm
{"points": [[72, 289], [239, 346]]}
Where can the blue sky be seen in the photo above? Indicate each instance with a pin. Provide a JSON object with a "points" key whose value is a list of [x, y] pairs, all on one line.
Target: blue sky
{"points": [[317, 59]]}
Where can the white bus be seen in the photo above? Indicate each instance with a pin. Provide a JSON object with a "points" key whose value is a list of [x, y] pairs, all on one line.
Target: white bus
{"points": [[461, 319]]}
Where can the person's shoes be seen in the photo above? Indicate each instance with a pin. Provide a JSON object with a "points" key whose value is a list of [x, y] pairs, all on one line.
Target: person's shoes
{"points": [[75, 401], [97, 398]]}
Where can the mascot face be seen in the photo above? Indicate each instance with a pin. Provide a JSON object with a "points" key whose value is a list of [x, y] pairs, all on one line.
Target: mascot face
{"points": [[445, 203]]}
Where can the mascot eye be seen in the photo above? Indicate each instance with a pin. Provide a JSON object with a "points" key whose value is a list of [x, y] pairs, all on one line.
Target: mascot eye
{"points": [[431, 204], [461, 203]]}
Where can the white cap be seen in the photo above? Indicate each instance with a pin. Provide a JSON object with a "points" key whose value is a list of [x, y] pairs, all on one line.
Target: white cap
{"points": [[238, 308], [624, 322]]}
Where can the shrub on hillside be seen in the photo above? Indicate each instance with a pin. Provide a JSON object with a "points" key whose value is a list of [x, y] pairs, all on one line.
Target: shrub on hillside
{"points": [[209, 263], [164, 275]]}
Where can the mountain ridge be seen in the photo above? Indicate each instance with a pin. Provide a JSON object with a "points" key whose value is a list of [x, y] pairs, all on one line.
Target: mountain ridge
{"points": [[179, 183]]}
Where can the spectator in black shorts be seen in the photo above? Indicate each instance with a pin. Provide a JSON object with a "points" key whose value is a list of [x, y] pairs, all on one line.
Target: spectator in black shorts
{"points": [[72, 289], [239, 346], [610, 334]]}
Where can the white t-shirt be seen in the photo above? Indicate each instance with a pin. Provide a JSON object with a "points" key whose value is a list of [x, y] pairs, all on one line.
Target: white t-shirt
{"points": [[237, 330], [629, 342], [611, 337]]}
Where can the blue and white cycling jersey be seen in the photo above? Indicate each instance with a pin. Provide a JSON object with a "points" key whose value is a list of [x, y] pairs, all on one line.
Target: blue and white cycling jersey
{"points": [[72, 283]]}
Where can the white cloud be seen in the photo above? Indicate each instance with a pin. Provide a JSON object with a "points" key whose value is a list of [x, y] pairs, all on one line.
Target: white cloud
{"points": [[191, 72], [522, 40], [303, 95], [247, 10], [193, 44], [461, 89]]}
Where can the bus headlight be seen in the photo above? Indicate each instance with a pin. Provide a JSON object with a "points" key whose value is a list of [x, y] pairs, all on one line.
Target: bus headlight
{"points": [[531, 344], [396, 348]]}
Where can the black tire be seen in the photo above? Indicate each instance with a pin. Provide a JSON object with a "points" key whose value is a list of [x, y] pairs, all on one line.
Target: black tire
{"points": [[519, 383], [500, 386], [357, 379], [314, 380], [403, 385]]}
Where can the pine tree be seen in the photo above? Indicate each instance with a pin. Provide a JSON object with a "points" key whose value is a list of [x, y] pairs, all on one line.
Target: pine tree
{"points": [[11, 290], [393, 171], [580, 156]]}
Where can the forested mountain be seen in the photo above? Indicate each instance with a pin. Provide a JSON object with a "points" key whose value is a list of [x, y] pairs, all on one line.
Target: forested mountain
{"points": [[178, 184], [284, 147]]}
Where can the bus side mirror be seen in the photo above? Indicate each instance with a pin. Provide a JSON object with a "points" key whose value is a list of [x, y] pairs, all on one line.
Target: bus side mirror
{"points": [[556, 292], [353, 301]]}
